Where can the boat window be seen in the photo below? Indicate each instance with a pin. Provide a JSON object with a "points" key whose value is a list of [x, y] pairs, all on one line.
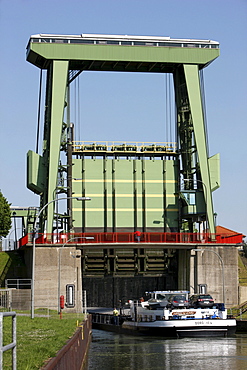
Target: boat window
{"points": [[126, 43], [60, 41], [45, 40], [170, 44], [113, 42], [76, 41], [139, 43], [87, 41]]}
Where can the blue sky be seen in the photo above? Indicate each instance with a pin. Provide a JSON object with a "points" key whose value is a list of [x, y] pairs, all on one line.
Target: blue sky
{"points": [[128, 106]]}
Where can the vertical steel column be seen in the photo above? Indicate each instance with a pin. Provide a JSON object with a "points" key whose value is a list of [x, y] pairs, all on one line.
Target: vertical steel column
{"points": [[70, 139], [195, 101], [143, 196], [184, 123], [105, 192], [113, 196], [83, 192], [59, 83], [164, 192], [135, 204]]}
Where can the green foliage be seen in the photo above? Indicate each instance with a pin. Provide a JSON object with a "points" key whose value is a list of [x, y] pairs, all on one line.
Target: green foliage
{"points": [[38, 339], [245, 249], [242, 270], [4, 258], [5, 216]]}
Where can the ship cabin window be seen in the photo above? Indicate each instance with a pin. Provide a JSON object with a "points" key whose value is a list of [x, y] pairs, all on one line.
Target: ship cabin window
{"points": [[126, 43]]}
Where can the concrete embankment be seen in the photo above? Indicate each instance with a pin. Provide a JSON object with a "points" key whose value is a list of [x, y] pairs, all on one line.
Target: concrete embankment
{"points": [[73, 355]]}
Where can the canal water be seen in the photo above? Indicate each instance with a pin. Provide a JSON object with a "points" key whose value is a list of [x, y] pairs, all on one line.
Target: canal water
{"points": [[110, 351]]}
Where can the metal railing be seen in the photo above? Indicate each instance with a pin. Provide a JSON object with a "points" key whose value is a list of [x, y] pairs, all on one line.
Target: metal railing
{"points": [[100, 318], [18, 283], [124, 147], [238, 311], [6, 299], [11, 345], [122, 40], [129, 237]]}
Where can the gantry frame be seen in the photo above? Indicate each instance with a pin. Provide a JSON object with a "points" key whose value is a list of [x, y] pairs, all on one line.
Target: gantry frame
{"points": [[65, 56]]}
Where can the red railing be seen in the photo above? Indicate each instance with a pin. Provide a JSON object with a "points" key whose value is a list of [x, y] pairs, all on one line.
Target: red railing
{"points": [[127, 237]]}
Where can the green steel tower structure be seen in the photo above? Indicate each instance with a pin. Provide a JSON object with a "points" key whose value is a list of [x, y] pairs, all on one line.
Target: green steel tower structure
{"points": [[133, 186]]}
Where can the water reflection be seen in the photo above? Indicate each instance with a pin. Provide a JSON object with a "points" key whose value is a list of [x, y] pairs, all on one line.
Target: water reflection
{"points": [[113, 351]]}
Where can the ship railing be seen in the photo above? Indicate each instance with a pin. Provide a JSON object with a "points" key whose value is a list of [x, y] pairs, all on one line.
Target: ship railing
{"points": [[107, 319]]}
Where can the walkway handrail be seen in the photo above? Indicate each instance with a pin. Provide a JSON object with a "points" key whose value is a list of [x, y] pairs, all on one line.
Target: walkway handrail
{"points": [[11, 345], [129, 237], [124, 146]]}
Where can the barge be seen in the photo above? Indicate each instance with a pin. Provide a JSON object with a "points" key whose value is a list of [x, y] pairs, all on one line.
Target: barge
{"points": [[155, 317]]}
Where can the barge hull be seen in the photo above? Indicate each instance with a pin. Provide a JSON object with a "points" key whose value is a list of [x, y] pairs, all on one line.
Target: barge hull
{"points": [[171, 330]]}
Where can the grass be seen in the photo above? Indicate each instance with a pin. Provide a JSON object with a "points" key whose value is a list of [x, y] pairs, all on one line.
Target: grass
{"points": [[38, 339], [4, 257], [242, 270], [235, 311], [242, 276]]}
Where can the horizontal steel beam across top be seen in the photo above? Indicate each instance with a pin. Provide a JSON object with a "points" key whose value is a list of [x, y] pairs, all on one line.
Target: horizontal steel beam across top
{"points": [[114, 55]]}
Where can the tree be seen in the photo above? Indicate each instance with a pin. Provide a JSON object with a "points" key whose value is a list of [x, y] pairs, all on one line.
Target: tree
{"points": [[5, 216], [245, 248]]}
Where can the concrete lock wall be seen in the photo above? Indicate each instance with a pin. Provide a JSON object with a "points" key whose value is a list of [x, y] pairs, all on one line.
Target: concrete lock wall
{"points": [[193, 268], [206, 268], [242, 294], [183, 269], [47, 276]]}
